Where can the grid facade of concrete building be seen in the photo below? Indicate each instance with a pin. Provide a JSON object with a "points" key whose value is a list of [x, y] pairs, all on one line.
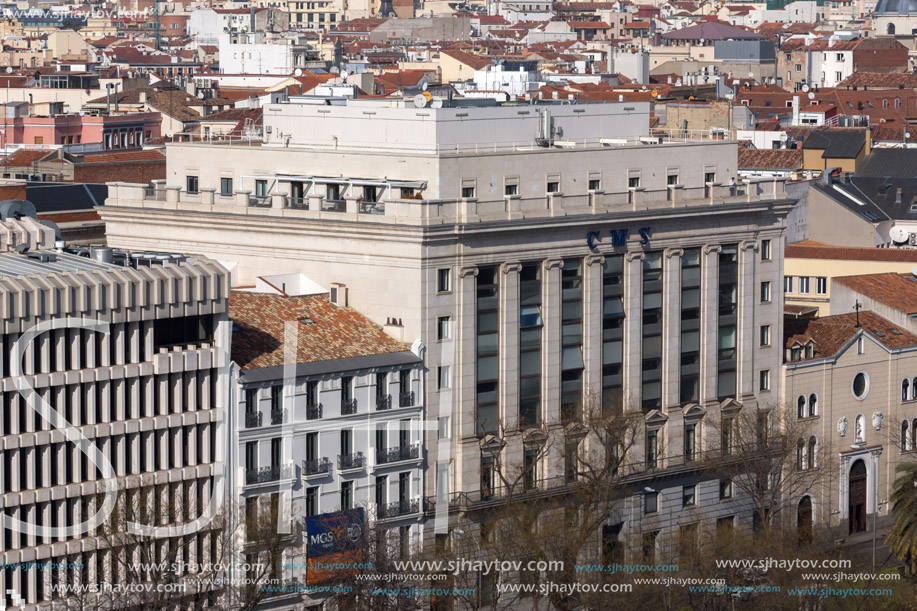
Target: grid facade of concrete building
{"points": [[146, 393]]}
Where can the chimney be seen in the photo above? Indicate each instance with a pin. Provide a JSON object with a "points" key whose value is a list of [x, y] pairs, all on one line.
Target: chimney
{"points": [[339, 294], [795, 110], [143, 97]]}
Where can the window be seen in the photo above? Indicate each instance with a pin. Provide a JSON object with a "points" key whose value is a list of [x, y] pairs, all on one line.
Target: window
{"points": [[904, 389], [595, 184], [442, 327], [787, 284], [649, 547], [801, 406], [468, 192], [860, 385], [725, 489], [813, 405], [688, 495], [652, 448], [690, 442], [511, 190], [530, 325], [838, 76], [553, 187], [633, 182], [346, 495], [804, 284], [765, 292], [443, 377], [443, 280], [765, 250], [798, 67], [765, 335], [226, 186], [764, 379], [726, 435], [381, 490], [650, 501], [905, 438], [191, 185], [861, 345], [312, 501], [821, 285]]}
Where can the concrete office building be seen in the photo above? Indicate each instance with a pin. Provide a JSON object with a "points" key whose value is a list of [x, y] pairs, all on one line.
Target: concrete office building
{"points": [[339, 429], [544, 254], [146, 394]]}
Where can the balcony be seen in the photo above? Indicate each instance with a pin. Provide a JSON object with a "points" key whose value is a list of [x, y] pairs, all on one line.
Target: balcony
{"points": [[266, 474], [334, 205], [348, 408], [351, 461], [253, 420], [398, 508], [297, 203], [314, 411], [383, 401], [398, 454], [317, 466], [278, 416], [406, 399], [255, 201]]}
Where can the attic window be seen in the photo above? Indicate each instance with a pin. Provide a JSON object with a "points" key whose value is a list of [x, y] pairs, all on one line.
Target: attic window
{"points": [[878, 333], [894, 331], [913, 207], [306, 320]]}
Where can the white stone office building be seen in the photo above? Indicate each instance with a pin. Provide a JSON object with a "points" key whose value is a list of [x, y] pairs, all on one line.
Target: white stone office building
{"points": [[338, 429], [147, 394], [544, 254]]}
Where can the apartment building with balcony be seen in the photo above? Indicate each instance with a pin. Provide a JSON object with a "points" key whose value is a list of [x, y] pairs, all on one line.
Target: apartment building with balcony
{"points": [[337, 427], [545, 254], [130, 357]]}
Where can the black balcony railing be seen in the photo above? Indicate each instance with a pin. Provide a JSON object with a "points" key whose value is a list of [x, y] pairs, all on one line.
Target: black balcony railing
{"points": [[383, 401], [398, 508], [351, 461], [348, 407], [278, 416], [317, 466], [406, 399], [297, 203], [314, 412], [252, 420], [398, 453], [266, 474]]}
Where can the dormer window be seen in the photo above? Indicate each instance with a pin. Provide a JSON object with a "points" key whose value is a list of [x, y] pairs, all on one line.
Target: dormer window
{"points": [[795, 352]]}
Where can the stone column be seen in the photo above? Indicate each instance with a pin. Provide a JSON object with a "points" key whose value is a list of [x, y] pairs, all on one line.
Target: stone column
{"points": [[509, 344], [633, 331], [592, 330], [745, 336], [709, 331], [468, 475], [671, 328], [550, 340]]}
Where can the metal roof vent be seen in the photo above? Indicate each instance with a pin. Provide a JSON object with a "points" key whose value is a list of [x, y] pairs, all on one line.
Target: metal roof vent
{"points": [[42, 257]]}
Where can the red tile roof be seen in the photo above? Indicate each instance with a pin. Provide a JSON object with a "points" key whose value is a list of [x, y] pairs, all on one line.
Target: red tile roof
{"points": [[24, 157], [124, 156], [897, 291], [469, 59], [770, 159], [326, 332], [802, 250], [880, 80], [830, 333]]}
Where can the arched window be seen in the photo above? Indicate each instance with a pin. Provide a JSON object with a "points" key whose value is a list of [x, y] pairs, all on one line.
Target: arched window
{"points": [[905, 438], [914, 388], [914, 434], [890, 30], [811, 457], [801, 407], [813, 404], [905, 385], [801, 455]]}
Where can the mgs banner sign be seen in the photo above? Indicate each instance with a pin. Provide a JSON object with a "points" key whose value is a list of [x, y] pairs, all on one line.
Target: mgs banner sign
{"points": [[335, 543]]}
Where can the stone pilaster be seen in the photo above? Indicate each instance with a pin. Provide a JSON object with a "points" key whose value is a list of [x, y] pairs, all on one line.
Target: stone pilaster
{"points": [[633, 330], [550, 341]]}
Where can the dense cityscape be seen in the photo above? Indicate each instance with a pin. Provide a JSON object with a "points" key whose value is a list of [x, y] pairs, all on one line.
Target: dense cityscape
{"points": [[448, 305]]}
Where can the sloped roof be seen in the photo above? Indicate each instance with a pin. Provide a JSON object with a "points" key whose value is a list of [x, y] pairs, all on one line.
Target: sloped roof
{"points": [[836, 144], [830, 333], [711, 30], [326, 332], [478, 63], [897, 291], [124, 156], [24, 157], [770, 159], [849, 253]]}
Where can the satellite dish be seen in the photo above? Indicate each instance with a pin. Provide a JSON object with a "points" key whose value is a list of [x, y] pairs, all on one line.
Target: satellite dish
{"points": [[899, 235], [811, 96], [335, 70], [170, 134], [907, 135], [436, 103], [751, 75], [297, 72], [200, 95], [805, 89], [424, 87], [419, 101], [9, 69]]}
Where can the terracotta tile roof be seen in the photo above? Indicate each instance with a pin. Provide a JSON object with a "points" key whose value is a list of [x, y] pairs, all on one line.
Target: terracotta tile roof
{"points": [[830, 333], [24, 157], [476, 62], [880, 80], [898, 291], [333, 333], [797, 311], [124, 156], [770, 159], [803, 250]]}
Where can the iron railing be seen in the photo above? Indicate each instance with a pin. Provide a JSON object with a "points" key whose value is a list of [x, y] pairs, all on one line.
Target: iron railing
{"points": [[383, 401], [398, 508], [348, 407], [406, 399], [267, 474], [253, 420], [317, 466], [351, 461], [314, 412], [398, 453], [278, 416]]}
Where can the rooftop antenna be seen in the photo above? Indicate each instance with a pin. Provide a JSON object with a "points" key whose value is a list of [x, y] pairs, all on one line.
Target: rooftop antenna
{"points": [[857, 307]]}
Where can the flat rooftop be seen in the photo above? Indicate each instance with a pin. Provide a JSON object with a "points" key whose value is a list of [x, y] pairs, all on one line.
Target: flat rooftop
{"points": [[42, 262]]}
